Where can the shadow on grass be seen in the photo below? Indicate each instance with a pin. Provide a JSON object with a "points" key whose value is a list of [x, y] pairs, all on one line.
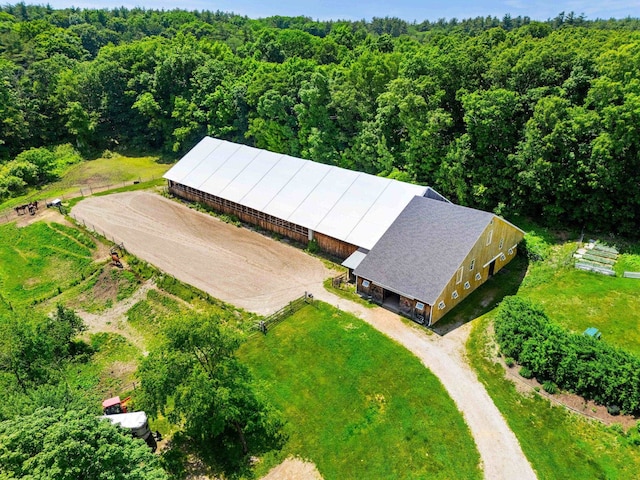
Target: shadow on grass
{"points": [[221, 458], [484, 299]]}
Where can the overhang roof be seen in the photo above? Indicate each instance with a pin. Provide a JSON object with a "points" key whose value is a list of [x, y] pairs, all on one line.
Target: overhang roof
{"points": [[422, 250], [355, 259], [351, 206]]}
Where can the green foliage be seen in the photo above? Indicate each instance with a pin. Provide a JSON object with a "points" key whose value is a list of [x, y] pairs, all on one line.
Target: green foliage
{"points": [[550, 387], [583, 365], [509, 362], [53, 444], [537, 423], [339, 381], [525, 372], [534, 118], [195, 379], [312, 246], [535, 247]]}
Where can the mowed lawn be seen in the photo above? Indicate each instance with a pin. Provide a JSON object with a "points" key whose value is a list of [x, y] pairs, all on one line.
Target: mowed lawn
{"points": [[578, 300], [357, 404], [39, 261]]}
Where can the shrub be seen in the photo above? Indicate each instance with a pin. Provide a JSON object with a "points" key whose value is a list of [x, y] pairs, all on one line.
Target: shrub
{"points": [[535, 247], [510, 362], [550, 387], [312, 246], [526, 373], [588, 367], [613, 409]]}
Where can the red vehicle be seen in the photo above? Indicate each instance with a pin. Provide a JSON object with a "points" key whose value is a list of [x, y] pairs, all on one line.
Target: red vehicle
{"points": [[115, 406]]}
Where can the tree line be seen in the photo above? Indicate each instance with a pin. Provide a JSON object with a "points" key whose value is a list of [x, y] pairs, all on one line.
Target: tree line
{"points": [[509, 115]]}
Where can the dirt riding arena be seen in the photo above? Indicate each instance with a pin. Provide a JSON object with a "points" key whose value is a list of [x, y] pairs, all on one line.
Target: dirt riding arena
{"points": [[233, 264]]}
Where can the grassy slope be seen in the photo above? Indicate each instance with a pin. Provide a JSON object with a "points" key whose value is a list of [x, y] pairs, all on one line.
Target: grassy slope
{"points": [[36, 260], [559, 444], [358, 405], [117, 171]]}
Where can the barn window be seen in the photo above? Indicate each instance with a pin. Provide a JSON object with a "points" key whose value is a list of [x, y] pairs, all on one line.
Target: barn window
{"points": [[502, 257], [489, 237], [501, 243], [419, 306], [510, 251], [478, 276], [454, 294], [467, 285], [441, 306], [365, 283], [473, 264], [459, 275]]}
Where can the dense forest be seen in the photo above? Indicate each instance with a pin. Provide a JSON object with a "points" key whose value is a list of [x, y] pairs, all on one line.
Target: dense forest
{"points": [[509, 115]]}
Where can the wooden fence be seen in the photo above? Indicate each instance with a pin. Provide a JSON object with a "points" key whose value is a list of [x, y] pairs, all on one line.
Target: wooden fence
{"points": [[272, 320], [339, 280], [83, 190]]}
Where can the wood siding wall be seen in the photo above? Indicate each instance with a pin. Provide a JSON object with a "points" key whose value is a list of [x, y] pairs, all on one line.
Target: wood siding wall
{"points": [[504, 238], [248, 215], [267, 222], [334, 246], [406, 306]]}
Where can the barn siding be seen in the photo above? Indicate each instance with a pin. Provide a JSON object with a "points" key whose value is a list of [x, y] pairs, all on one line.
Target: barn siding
{"points": [[482, 253], [334, 246], [245, 214], [267, 222]]}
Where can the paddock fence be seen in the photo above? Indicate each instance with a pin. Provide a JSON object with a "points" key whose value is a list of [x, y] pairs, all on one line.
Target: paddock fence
{"points": [[272, 320], [79, 190]]}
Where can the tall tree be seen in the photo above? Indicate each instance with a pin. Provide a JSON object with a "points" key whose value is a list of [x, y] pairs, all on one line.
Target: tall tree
{"points": [[196, 380]]}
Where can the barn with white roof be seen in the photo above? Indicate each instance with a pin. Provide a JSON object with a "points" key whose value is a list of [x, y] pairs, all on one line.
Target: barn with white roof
{"points": [[409, 247], [341, 209]]}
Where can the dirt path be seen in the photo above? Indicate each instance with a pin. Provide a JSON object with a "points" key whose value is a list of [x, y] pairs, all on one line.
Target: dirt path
{"points": [[500, 452], [293, 469], [114, 319]]}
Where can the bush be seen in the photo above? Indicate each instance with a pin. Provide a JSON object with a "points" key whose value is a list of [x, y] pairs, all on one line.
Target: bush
{"points": [[312, 246], [535, 247], [613, 409], [550, 387], [588, 367], [526, 373], [510, 362]]}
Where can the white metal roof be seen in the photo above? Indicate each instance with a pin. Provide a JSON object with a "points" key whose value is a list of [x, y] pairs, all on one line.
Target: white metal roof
{"points": [[355, 258], [351, 206]]}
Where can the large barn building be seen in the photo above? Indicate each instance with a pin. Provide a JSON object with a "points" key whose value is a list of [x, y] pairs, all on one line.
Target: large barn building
{"points": [[408, 246]]}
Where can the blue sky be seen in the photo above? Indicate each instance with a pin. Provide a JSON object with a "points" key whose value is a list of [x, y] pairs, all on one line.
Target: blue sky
{"points": [[406, 9]]}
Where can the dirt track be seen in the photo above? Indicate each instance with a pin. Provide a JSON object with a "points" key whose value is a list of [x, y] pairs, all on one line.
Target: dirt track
{"points": [[233, 264]]}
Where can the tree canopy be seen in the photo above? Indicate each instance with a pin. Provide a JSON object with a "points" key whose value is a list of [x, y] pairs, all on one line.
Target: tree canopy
{"points": [[196, 380], [52, 444], [535, 118]]}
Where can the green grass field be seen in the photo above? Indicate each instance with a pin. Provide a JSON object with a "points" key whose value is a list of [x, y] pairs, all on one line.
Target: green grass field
{"points": [[40, 261], [559, 444], [117, 171], [356, 404], [578, 299]]}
